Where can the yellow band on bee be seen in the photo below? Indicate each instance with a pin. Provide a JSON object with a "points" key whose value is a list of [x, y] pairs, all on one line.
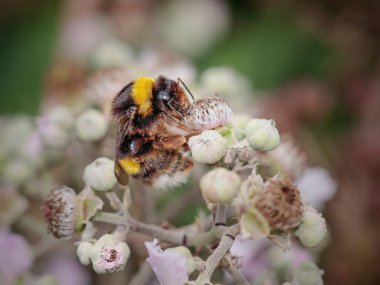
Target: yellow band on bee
{"points": [[142, 94], [130, 166]]}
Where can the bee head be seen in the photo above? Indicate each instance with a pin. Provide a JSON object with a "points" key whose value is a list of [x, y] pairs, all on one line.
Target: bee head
{"points": [[170, 97]]}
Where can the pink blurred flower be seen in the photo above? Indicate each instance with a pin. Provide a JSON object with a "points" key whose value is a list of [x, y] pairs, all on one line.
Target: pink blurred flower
{"points": [[256, 258], [16, 257], [66, 269], [316, 186], [170, 267]]}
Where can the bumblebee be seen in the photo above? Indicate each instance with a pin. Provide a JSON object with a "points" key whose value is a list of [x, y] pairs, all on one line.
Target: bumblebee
{"points": [[151, 142]]}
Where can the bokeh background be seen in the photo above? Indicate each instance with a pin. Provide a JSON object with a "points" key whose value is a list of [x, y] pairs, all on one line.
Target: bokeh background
{"points": [[314, 66]]}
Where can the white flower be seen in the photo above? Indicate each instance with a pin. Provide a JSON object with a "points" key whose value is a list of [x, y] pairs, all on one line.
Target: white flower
{"points": [[288, 158], [91, 126], [208, 147], [109, 254], [262, 134], [316, 186], [170, 266], [83, 252], [100, 174], [312, 229], [220, 185]]}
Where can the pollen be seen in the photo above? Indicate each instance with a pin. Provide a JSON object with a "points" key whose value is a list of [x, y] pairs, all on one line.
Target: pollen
{"points": [[142, 94], [130, 166]]}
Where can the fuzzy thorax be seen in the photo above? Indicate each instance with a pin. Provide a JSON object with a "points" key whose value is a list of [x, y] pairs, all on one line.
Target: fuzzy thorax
{"points": [[142, 94]]}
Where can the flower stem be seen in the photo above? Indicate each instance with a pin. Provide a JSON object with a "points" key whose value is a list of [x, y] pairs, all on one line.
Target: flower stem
{"points": [[176, 236], [220, 215], [214, 259]]}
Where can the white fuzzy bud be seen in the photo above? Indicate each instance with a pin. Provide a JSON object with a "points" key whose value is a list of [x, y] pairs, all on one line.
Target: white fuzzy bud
{"points": [[18, 172], [239, 123], [262, 134], [312, 229], [307, 273], [112, 53], [220, 185], [184, 251], [99, 175], [61, 116], [91, 126], [52, 134], [208, 147], [109, 254], [83, 252]]}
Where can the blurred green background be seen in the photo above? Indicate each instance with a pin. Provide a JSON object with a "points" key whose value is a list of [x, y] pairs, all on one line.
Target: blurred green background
{"points": [[267, 46]]}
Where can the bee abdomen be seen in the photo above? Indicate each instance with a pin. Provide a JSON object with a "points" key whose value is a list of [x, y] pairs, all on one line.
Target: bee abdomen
{"points": [[173, 172]]}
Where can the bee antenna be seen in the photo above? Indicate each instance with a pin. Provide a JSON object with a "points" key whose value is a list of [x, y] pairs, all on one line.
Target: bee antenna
{"points": [[183, 83]]}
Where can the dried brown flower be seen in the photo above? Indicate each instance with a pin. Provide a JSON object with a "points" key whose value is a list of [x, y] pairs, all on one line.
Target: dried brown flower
{"points": [[280, 203], [59, 210]]}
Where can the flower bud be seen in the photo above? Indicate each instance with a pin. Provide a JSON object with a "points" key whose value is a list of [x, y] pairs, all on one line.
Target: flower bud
{"points": [[312, 229], [239, 123], [91, 126], [18, 172], [280, 203], [219, 186], [112, 53], [60, 212], [262, 134], [307, 273], [229, 156], [61, 116], [99, 175], [83, 252], [184, 251], [109, 254], [246, 154], [52, 134], [208, 113], [208, 147]]}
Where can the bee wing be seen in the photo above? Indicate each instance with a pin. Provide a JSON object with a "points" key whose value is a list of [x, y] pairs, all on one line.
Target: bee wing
{"points": [[124, 126]]}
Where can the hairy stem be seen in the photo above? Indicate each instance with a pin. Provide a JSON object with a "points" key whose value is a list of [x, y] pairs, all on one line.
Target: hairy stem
{"points": [[143, 275], [176, 236], [234, 271], [214, 259], [221, 215]]}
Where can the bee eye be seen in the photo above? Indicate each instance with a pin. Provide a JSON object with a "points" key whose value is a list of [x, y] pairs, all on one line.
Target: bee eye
{"points": [[163, 96]]}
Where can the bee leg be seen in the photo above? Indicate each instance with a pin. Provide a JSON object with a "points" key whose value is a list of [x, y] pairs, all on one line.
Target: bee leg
{"points": [[174, 142]]}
